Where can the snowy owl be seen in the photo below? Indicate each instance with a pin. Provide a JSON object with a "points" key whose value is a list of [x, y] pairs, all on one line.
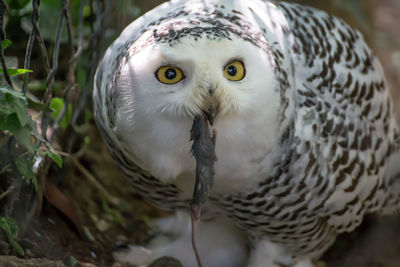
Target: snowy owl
{"points": [[307, 143]]}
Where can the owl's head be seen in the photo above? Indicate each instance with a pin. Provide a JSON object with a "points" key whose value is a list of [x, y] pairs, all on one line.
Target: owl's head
{"points": [[175, 65]]}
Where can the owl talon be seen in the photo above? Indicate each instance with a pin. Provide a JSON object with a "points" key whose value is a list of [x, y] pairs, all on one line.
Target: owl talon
{"points": [[136, 255]]}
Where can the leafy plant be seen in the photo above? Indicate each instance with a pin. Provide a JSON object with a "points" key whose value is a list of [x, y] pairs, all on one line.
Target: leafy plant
{"points": [[14, 119], [10, 228], [49, 96], [16, 122]]}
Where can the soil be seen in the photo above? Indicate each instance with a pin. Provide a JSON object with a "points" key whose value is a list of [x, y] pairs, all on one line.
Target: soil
{"points": [[52, 235]]}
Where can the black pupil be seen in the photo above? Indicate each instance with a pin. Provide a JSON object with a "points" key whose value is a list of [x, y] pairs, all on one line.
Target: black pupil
{"points": [[170, 74], [232, 70]]}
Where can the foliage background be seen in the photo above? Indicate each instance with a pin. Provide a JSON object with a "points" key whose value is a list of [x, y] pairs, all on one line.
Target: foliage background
{"points": [[61, 198]]}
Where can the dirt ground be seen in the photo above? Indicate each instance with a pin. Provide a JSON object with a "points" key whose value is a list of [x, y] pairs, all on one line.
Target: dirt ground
{"points": [[53, 240]]}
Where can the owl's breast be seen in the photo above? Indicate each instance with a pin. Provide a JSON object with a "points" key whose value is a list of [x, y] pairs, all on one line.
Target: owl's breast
{"points": [[243, 148]]}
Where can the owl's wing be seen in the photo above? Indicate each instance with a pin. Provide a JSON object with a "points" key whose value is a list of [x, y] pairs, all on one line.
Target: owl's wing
{"points": [[339, 108]]}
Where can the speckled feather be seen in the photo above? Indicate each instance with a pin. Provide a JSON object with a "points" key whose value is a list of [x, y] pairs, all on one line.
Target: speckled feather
{"points": [[337, 133]]}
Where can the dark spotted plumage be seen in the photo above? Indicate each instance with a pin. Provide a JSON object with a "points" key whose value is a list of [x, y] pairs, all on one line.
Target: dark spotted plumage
{"points": [[333, 160]]}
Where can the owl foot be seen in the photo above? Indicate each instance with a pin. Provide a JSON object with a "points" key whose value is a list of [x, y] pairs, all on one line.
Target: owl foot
{"points": [[136, 255], [268, 254], [218, 241]]}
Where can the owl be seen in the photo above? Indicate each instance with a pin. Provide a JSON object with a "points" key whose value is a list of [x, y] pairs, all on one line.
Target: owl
{"points": [[307, 142]]}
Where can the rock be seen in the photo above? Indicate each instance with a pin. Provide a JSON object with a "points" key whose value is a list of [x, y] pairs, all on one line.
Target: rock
{"points": [[166, 262], [12, 261], [4, 247]]}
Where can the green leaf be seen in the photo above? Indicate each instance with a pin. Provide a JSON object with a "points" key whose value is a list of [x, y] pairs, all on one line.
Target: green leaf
{"points": [[12, 92], [73, 262], [24, 166], [17, 4], [15, 72], [5, 43], [54, 156], [57, 105], [14, 116], [23, 137], [17, 248], [86, 141], [34, 102], [88, 234], [35, 184], [14, 102], [22, 134], [20, 109], [9, 226], [86, 11], [51, 153], [81, 74], [5, 109]]}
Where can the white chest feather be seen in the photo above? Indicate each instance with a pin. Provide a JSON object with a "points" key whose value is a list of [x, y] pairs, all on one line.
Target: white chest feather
{"points": [[243, 146]]}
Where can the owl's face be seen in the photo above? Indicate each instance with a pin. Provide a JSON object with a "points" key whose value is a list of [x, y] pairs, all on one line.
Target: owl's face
{"points": [[187, 78], [162, 88]]}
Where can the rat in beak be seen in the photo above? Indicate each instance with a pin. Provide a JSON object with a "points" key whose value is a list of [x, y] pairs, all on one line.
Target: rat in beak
{"points": [[203, 150]]}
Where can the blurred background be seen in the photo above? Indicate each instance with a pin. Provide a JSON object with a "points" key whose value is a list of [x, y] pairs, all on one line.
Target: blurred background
{"points": [[62, 201]]}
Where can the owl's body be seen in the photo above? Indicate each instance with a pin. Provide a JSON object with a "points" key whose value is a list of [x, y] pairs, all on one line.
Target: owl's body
{"points": [[306, 144]]}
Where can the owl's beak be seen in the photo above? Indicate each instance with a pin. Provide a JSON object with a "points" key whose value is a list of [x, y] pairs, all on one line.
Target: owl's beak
{"points": [[211, 113]]}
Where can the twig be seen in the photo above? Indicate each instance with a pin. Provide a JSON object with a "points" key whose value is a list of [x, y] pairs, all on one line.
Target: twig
{"points": [[15, 182], [56, 123], [80, 34], [95, 47], [65, 10], [5, 193], [27, 61], [51, 77], [13, 197], [42, 169], [113, 200], [72, 64], [36, 32], [3, 9], [61, 153]]}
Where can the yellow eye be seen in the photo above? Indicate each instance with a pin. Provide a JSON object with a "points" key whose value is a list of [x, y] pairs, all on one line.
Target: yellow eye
{"points": [[169, 74], [235, 71]]}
